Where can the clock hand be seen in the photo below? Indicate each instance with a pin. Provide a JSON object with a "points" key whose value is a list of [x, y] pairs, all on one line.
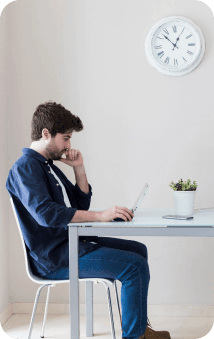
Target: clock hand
{"points": [[169, 40], [175, 43], [178, 39]]}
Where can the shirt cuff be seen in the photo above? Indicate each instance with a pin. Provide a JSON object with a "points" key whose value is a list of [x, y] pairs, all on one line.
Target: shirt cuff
{"points": [[81, 193], [68, 217]]}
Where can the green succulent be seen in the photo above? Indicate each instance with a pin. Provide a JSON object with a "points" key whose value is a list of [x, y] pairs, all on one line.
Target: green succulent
{"points": [[184, 185]]}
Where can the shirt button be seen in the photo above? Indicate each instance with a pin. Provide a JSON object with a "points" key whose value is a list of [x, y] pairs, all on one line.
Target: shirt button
{"points": [[49, 171], [46, 162], [57, 184]]}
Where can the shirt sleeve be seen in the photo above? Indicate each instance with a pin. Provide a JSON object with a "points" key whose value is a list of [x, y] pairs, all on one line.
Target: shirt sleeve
{"points": [[31, 189], [83, 199]]}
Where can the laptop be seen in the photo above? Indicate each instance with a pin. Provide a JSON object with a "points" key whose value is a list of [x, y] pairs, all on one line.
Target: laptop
{"points": [[137, 203], [140, 198]]}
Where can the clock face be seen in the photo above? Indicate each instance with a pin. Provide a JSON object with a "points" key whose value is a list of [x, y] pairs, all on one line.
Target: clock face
{"points": [[174, 45]]}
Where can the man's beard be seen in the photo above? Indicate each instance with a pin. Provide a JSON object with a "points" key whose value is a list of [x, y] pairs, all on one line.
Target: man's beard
{"points": [[54, 155]]}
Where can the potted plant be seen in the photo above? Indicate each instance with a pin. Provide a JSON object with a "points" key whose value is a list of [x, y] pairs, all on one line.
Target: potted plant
{"points": [[184, 197]]}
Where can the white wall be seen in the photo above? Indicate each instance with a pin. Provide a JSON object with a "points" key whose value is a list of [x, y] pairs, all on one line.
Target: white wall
{"points": [[4, 217], [139, 125]]}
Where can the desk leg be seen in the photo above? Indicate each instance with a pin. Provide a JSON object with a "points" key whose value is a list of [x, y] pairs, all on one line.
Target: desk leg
{"points": [[89, 308], [74, 282]]}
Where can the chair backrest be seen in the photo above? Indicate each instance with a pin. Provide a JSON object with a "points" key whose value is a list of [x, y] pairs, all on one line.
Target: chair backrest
{"points": [[33, 277], [27, 265]]}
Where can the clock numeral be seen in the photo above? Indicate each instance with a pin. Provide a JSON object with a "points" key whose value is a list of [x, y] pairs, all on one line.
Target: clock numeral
{"points": [[191, 44], [187, 37], [189, 52], [165, 30], [158, 47], [161, 54], [160, 38], [174, 29], [167, 60], [175, 62], [184, 59]]}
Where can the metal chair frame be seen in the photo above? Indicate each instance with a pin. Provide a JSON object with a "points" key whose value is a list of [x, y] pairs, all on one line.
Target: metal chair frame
{"points": [[53, 283]]}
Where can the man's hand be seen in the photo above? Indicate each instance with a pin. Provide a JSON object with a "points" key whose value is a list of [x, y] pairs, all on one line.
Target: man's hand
{"points": [[73, 158], [116, 212]]}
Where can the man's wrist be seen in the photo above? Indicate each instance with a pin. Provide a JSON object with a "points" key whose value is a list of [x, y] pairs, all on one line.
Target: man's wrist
{"points": [[79, 168], [86, 216], [79, 171]]}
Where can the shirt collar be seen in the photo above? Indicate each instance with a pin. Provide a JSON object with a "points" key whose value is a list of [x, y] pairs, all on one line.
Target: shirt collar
{"points": [[32, 153]]}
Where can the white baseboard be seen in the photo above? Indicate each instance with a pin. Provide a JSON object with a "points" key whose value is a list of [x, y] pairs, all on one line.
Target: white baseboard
{"points": [[102, 309], [6, 314]]}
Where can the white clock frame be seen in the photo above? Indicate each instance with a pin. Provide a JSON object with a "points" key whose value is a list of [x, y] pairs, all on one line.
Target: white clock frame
{"points": [[175, 71]]}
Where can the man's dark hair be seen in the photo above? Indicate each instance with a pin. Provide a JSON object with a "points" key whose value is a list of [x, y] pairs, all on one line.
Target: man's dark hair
{"points": [[55, 118]]}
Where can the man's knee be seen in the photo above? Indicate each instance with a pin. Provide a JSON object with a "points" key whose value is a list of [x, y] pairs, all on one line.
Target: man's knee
{"points": [[142, 249]]}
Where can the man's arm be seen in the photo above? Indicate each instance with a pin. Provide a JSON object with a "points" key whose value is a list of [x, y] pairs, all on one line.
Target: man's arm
{"points": [[82, 182], [74, 159], [81, 178]]}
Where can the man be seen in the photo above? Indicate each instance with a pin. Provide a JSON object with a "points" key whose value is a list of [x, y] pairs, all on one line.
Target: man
{"points": [[46, 201]]}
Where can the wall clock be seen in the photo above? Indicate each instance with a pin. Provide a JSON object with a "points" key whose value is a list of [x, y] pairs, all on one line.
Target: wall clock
{"points": [[175, 46]]}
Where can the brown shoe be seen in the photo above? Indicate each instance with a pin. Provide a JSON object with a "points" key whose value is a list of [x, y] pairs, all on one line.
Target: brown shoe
{"points": [[151, 334]]}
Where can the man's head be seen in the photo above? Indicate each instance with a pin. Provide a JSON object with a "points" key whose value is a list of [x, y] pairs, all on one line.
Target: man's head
{"points": [[51, 129]]}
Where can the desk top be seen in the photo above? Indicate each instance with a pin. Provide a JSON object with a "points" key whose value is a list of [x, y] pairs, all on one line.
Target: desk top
{"points": [[152, 217]]}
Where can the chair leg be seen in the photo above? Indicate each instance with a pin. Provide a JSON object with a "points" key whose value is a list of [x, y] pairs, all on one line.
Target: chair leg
{"points": [[34, 310], [46, 310], [110, 310], [118, 303]]}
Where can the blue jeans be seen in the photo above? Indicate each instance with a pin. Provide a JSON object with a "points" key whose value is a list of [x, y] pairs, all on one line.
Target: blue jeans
{"points": [[124, 260]]}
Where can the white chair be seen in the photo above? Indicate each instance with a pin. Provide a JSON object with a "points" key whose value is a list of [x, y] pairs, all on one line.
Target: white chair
{"points": [[53, 283]]}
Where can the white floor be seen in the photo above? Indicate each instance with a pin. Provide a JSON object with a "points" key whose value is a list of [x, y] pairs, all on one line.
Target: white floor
{"points": [[57, 326]]}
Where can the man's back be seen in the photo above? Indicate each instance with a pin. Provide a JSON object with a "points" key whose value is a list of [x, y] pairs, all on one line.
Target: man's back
{"points": [[42, 212]]}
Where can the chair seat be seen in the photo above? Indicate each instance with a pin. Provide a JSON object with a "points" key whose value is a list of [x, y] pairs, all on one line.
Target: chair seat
{"points": [[40, 280], [111, 281]]}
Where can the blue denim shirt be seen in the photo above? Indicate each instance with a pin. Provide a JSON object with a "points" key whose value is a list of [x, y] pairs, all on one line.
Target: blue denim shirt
{"points": [[42, 213]]}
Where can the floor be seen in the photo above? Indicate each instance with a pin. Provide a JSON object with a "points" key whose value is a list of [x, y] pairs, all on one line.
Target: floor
{"points": [[57, 326]]}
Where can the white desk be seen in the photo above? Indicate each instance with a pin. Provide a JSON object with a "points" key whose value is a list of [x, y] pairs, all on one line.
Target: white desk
{"points": [[147, 222]]}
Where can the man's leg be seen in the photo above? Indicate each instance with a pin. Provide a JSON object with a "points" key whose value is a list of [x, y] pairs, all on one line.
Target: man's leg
{"points": [[117, 243], [139, 248], [133, 272], [123, 244]]}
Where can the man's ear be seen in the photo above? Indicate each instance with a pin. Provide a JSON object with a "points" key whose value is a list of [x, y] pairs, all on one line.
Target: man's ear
{"points": [[45, 133]]}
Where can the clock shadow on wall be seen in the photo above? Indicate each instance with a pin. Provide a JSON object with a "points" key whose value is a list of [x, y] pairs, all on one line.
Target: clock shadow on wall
{"points": [[175, 46]]}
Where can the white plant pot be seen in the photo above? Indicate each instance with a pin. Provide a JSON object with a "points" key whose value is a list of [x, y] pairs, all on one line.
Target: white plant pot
{"points": [[184, 202]]}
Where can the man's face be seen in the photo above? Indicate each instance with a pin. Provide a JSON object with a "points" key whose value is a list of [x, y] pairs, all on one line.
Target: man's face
{"points": [[58, 145]]}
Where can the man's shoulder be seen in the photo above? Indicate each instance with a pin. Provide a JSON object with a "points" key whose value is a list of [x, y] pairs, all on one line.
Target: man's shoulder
{"points": [[24, 169], [26, 164]]}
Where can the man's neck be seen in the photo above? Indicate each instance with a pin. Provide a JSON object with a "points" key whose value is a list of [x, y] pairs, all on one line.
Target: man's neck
{"points": [[38, 148]]}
